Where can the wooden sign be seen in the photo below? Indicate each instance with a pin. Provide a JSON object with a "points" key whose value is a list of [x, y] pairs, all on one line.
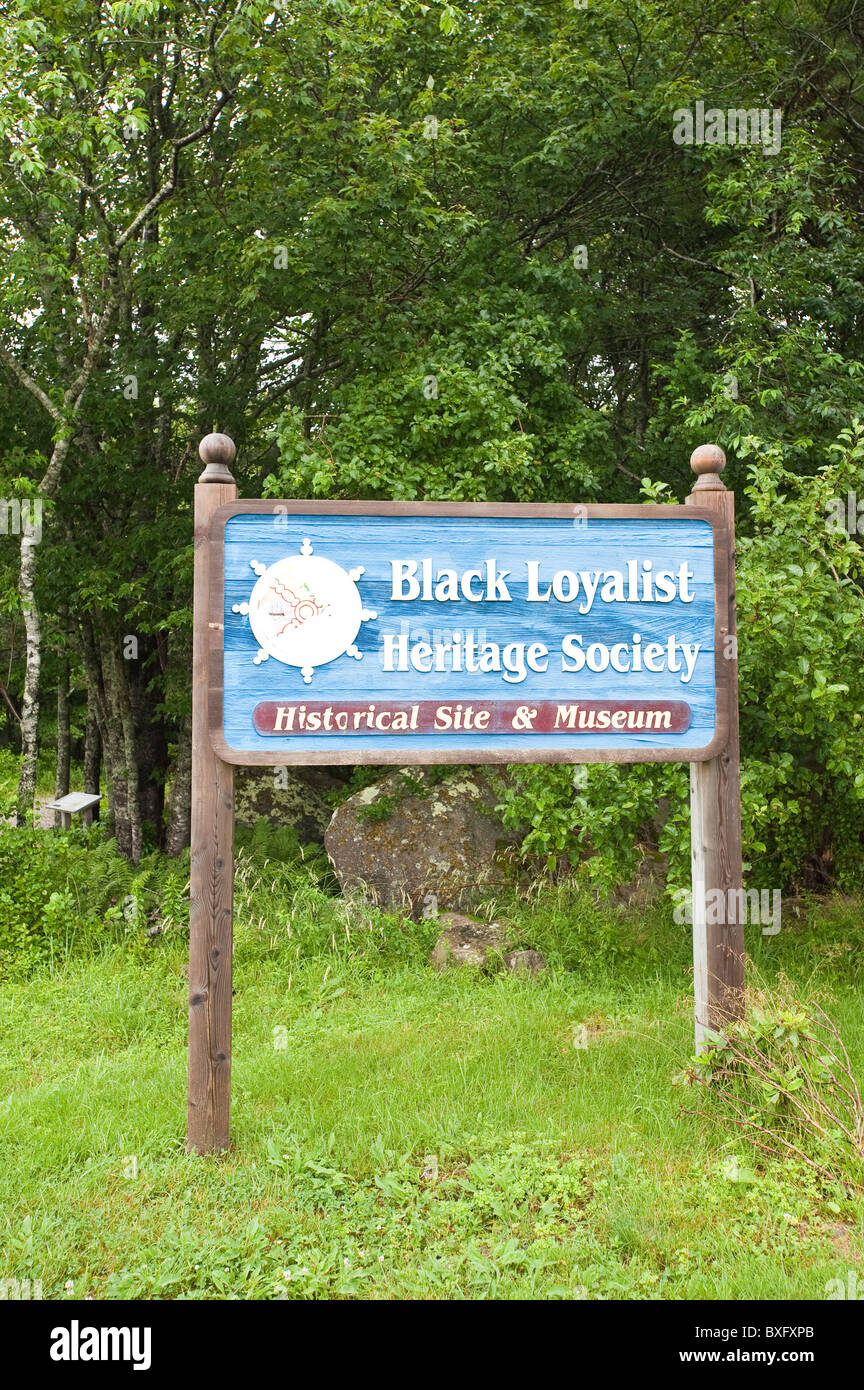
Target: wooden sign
{"points": [[431, 633], [369, 632]]}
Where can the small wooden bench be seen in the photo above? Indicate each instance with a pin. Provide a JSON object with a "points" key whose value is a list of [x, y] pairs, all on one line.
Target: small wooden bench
{"points": [[74, 803]]}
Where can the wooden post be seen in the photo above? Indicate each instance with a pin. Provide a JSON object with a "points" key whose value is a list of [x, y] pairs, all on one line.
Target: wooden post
{"points": [[715, 810], [212, 843]]}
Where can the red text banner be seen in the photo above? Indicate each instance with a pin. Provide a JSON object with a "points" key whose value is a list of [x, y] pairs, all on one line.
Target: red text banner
{"points": [[273, 718]]}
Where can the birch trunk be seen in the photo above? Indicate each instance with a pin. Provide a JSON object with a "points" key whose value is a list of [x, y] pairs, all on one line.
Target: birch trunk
{"points": [[30, 702]]}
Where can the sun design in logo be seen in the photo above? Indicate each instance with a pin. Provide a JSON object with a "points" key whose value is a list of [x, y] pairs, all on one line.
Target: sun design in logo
{"points": [[305, 611], [298, 608]]}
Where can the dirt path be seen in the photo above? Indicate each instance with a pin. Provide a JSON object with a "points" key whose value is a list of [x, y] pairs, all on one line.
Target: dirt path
{"points": [[45, 819]]}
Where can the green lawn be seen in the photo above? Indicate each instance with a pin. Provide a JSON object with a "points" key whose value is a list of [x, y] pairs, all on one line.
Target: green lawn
{"points": [[552, 1170]]}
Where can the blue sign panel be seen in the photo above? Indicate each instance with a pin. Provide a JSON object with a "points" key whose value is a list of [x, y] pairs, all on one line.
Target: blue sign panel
{"points": [[364, 633]]}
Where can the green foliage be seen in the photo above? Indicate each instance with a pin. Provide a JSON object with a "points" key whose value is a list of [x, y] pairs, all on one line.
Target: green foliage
{"points": [[293, 907], [597, 817], [801, 624], [801, 680], [265, 842], [39, 913], [782, 1077], [66, 894], [578, 931], [448, 422]]}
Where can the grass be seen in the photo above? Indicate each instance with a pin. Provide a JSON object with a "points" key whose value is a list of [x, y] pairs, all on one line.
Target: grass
{"points": [[402, 1134]]}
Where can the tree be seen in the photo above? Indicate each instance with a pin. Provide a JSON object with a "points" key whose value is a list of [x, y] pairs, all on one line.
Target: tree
{"points": [[441, 251], [78, 221]]}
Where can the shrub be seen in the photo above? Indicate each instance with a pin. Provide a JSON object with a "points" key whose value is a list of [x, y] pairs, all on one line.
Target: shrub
{"points": [[70, 892], [38, 912], [783, 1078]]}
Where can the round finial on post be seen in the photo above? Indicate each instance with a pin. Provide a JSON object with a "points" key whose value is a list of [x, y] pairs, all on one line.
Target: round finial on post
{"points": [[217, 451], [708, 462]]}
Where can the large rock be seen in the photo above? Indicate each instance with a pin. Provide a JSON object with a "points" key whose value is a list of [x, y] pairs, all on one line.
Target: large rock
{"points": [[283, 797], [419, 845]]}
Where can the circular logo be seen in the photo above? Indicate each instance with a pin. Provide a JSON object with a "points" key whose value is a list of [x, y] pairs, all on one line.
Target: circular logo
{"points": [[305, 611]]}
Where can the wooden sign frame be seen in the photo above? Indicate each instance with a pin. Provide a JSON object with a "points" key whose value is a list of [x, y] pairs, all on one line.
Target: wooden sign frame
{"points": [[718, 945], [284, 756]]}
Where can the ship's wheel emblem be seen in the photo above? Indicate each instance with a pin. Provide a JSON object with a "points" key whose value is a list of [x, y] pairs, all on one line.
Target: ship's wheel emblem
{"points": [[305, 611]]}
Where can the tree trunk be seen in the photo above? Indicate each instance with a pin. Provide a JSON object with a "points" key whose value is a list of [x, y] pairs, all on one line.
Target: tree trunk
{"points": [[61, 785], [177, 838], [103, 707], [92, 750], [151, 746], [127, 749], [118, 745], [30, 703], [112, 703], [115, 774]]}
